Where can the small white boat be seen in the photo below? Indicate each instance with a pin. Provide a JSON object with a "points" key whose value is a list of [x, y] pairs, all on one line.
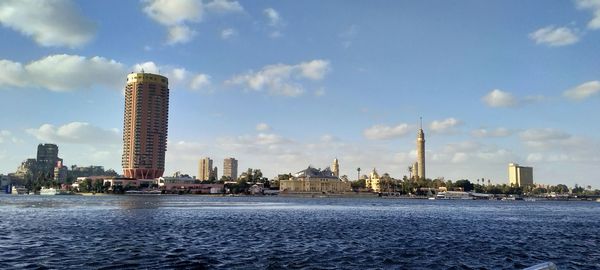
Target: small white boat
{"points": [[18, 190], [53, 191]]}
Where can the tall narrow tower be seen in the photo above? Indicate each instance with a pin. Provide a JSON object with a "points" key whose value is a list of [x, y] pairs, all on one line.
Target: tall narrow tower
{"points": [[421, 151], [335, 168], [145, 126]]}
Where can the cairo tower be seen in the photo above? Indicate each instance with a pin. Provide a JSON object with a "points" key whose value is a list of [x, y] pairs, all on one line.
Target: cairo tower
{"points": [[145, 126], [420, 164]]}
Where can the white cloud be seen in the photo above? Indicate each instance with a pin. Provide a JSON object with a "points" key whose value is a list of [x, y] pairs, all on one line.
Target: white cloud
{"points": [[169, 13], [382, 132], [7, 137], [447, 125], [487, 133], [149, 67], [224, 6], [178, 15], [273, 16], [594, 6], [499, 98], [320, 92], [583, 91], [62, 72], [555, 36], [263, 127], [315, 69], [76, 133], [178, 74], [275, 22], [180, 34], [281, 79], [228, 33], [470, 152], [49, 23], [200, 82], [543, 134]]}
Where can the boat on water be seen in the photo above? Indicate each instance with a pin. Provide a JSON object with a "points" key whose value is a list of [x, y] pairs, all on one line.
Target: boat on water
{"points": [[53, 191], [143, 192], [454, 195], [18, 190]]}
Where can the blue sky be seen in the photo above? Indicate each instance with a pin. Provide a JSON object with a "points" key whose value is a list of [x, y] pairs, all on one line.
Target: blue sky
{"points": [[283, 84]]}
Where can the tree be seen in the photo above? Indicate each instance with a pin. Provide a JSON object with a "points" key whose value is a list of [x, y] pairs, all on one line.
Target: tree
{"points": [[224, 179], [577, 190], [560, 189], [359, 184], [257, 175], [465, 184]]}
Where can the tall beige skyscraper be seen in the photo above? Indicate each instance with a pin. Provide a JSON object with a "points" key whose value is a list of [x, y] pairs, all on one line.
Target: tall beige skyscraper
{"points": [[520, 176], [205, 168], [145, 125], [421, 152], [335, 168], [230, 168]]}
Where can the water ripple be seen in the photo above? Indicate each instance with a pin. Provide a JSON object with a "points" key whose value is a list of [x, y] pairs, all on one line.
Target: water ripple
{"points": [[195, 232]]}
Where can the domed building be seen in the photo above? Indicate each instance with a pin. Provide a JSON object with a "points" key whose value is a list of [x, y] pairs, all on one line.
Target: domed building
{"points": [[314, 180]]}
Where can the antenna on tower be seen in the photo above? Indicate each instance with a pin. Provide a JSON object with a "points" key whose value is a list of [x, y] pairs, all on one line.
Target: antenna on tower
{"points": [[420, 122]]}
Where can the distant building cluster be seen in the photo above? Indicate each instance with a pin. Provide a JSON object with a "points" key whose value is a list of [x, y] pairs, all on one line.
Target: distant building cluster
{"points": [[145, 129], [46, 166]]}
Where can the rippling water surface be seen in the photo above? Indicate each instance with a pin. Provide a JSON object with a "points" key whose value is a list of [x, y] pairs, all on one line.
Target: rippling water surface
{"points": [[196, 232]]}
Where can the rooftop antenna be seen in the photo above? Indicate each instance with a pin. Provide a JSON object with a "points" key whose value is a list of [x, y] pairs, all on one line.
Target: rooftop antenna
{"points": [[142, 70], [420, 122]]}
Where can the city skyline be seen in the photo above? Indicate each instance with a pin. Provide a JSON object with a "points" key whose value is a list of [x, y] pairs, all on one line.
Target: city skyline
{"points": [[279, 85]]}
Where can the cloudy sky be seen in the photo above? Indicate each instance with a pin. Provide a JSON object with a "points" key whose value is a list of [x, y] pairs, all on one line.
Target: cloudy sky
{"points": [[284, 84]]}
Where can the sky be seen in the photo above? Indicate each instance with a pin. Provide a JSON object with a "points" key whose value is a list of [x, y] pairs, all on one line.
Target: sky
{"points": [[281, 85]]}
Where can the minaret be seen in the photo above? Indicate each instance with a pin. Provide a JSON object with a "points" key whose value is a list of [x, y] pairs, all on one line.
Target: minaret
{"points": [[336, 168], [421, 151]]}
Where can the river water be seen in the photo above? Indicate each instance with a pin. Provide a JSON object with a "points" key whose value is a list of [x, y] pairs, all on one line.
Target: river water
{"points": [[198, 232]]}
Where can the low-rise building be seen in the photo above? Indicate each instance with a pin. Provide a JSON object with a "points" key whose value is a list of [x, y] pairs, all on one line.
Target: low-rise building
{"points": [[373, 183], [188, 184], [128, 183], [314, 180]]}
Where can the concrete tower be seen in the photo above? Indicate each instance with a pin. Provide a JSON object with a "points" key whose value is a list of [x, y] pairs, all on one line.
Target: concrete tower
{"points": [[205, 168], [145, 126], [421, 152], [335, 168], [230, 168]]}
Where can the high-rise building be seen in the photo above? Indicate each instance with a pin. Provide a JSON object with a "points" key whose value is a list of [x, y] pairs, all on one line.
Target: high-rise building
{"points": [[335, 168], [230, 168], [205, 168], [145, 126], [215, 173], [47, 153], [421, 153], [520, 176]]}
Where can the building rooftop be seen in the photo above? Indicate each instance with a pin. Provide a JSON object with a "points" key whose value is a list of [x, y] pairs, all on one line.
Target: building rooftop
{"points": [[311, 172]]}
